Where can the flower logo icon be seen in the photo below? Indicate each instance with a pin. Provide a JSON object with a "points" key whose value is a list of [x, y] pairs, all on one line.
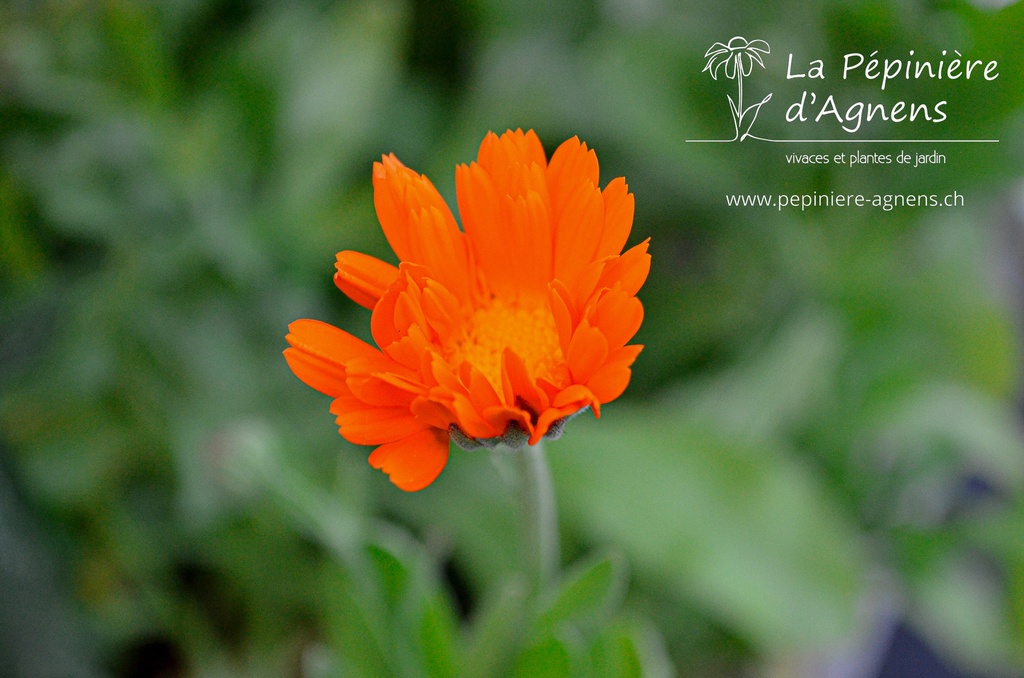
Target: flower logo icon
{"points": [[736, 59]]}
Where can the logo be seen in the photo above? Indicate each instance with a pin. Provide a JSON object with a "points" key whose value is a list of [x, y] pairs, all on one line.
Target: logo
{"points": [[821, 106], [736, 59]]}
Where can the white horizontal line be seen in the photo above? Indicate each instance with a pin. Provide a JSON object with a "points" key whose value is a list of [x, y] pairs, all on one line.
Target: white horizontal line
{"points": [[850, 141]]}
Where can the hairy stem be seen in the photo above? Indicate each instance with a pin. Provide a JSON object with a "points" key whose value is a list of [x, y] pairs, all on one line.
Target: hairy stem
{"points": [[537, 516]]}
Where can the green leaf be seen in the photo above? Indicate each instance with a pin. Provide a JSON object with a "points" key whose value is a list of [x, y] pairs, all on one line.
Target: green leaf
{"points": [[589, 592], [615, 655], [471, 505], [357, 624], [438, 633], [548, 659], [737, 526], [142, 62], [981, 430], [21, 256], [775, 388], [497, 632], [959, 604], [393, 573]]}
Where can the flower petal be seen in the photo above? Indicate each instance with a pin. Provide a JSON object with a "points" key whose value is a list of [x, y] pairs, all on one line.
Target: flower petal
{"points": [[413, 462], [572, 165], [505, 159], [730, 66], [630, 270], [716, 48], [744, 63], [399, 311], [557, 298], [524, 223], [441, 308], [587, 352], [618, 218], [432, 413], [520, 385], [442, 249], [501, 416], [611, 379], [618, 315], [479, 208], [380, 391], [759, 45], [577, 396], [577, 231], [719, 61], [471, 421], [374, 425], [399, 192], [319, 352], [363, 278], [549, 417]]}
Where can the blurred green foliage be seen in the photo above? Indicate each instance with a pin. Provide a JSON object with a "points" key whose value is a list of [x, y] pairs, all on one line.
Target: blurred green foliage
{"points": [[819, 391]]}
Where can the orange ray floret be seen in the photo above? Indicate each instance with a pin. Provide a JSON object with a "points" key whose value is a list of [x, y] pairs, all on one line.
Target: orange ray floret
{"points": [[496, 332]]}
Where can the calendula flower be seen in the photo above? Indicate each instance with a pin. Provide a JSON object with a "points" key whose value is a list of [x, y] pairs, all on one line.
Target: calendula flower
{"points": [[495, 332]]}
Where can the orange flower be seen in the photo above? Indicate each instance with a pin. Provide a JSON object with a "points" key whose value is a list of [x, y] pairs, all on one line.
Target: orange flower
{"points": [[496, 332]]}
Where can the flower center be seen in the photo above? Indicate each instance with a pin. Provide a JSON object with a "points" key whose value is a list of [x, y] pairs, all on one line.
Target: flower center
{"points": [[526, 328]]}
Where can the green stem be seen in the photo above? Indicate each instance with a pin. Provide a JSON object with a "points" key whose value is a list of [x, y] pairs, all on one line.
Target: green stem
{"points": [[537, 516]]}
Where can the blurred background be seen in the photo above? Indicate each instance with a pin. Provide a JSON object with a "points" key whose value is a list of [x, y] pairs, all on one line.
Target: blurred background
{"points": [[816, 471]]}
